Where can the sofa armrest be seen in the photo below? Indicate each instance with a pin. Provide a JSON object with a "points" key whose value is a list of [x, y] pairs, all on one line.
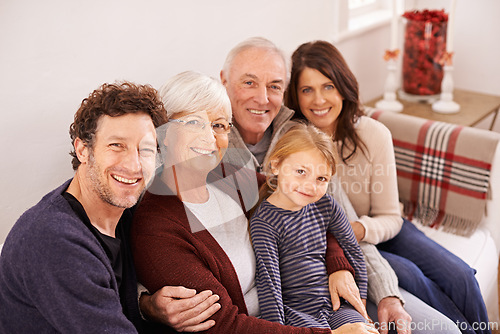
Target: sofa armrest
{"points": [[492, 216], [412, 155]]}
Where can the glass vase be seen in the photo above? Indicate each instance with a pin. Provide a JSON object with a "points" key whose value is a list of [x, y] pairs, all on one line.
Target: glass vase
{"points": [[424, 48]]}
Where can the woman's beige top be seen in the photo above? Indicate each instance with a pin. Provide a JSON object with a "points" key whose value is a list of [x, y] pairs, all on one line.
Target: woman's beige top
{"points": [[369, 180]]}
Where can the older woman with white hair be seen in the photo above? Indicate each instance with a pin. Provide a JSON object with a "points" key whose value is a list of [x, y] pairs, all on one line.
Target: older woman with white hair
{"points": [[190, 228]]}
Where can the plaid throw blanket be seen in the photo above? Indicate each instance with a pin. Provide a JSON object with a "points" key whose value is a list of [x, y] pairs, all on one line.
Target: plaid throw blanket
{"points": [[443, 170]]}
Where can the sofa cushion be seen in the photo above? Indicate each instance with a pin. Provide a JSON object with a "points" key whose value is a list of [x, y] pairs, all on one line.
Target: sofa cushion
{"points": [[479, 252]]}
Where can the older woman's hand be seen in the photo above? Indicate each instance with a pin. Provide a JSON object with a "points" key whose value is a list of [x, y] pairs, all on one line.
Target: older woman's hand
{"points": [[182, 309], [341, 284]]}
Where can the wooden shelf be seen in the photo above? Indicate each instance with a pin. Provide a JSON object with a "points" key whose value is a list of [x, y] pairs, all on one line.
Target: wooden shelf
{"points": [[474, 107]]}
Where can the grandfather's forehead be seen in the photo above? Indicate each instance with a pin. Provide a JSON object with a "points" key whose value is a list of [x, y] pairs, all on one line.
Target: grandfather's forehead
{"points": [[259, 54], [256, 61]]}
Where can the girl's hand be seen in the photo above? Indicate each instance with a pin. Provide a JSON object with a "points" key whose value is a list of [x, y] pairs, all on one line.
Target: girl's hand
{"points": [[356, 328]]}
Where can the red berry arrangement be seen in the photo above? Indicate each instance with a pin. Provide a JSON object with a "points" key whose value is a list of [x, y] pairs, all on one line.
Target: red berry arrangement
{"points": [[424, 50]]}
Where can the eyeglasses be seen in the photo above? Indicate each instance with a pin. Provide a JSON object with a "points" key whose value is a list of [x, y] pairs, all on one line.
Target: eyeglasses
{"points": [[219, 127]]}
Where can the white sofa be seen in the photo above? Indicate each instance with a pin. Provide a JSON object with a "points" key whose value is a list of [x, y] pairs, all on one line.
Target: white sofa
{"points": [[481, 249]]}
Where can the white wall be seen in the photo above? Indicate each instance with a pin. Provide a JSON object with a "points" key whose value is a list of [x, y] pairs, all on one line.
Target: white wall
{"points": [[53, 53]]}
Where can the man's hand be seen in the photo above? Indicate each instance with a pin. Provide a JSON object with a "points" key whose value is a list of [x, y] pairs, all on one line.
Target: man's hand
{"points": [[359, 230], [390, 309], [341, 284], [182, 309]]}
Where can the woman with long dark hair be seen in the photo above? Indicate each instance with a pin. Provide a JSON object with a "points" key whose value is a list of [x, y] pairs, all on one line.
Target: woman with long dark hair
{"points": [[325, 92]]}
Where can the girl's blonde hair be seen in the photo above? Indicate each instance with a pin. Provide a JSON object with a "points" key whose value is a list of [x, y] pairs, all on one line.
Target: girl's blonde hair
{"points": [[300, 137]]}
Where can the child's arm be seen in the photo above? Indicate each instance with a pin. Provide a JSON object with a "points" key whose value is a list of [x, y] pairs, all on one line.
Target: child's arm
{"points": [[340, 227], [268, 278], [341, 282]]}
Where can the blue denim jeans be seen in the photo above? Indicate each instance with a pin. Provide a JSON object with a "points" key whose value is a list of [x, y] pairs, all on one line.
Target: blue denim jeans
{"points": [[436, 276]]}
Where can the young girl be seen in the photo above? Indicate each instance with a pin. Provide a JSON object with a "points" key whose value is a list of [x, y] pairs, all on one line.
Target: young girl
{"points": [[289, 230]]}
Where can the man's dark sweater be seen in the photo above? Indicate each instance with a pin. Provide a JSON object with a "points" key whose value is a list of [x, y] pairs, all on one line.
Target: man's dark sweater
{"points": [[55, 275]]}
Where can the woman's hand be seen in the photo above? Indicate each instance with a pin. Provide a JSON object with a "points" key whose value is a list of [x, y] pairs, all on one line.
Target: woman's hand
{"points": [[359, 230], [182, 309], [341, 284], [356, 328]]}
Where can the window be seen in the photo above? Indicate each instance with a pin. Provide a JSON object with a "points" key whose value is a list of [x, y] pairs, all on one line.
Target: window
{"points": [[353, 17], [360, 7]]}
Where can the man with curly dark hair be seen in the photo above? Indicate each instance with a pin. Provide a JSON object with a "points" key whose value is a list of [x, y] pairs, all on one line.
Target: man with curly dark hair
{"points": [[66, 265]]}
